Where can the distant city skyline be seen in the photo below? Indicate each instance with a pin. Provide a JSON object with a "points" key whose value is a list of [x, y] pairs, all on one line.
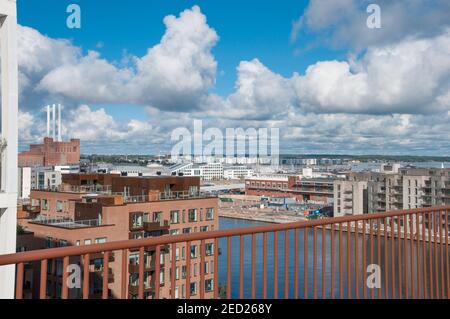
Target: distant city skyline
{"points": [[311, 68]]}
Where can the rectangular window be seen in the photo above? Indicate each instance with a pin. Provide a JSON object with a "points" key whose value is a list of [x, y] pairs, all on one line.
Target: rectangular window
{"points": [[194, 251], [44, 204], [137, 220], [209, 285], [209, 249], [49, 242], [87, 241], [59, 206], [192, 215], [101, 240], [175, 217], [193, 288], [209, 213]]}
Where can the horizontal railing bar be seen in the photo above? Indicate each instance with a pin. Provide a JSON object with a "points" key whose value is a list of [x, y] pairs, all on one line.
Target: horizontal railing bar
{"points": [[37, 255]]}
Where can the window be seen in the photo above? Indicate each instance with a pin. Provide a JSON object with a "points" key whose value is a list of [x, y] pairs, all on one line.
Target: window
{"points": [[192, 215], [203, 228], [77, 243], [59, 206], [49, 242], [175, 217], [174, 231], [193, 288], [209, 285], [100, 240], [44, 204], [186, 230], [137, 221], [209, 249], [193, 190], [209, 213], [62, 243], [194, 251], [87, 241], [157, 217]]}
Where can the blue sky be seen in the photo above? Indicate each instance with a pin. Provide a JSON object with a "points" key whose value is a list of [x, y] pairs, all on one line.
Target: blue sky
{"points": [[326, 88], [247, 29]]}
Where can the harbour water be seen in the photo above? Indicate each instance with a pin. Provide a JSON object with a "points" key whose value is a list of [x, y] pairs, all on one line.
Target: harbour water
{"points": [[400, 265]]}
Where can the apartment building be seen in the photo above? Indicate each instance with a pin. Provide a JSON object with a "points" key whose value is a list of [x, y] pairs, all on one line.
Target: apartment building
{"points": [[387, 190], [237, 172], [350, 198], [206, 171], [85, 212], [312, 190]]}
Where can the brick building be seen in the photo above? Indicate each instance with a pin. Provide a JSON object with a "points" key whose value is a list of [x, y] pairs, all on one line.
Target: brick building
{"points": [[314, 190], [82, 217], [51, 153]]}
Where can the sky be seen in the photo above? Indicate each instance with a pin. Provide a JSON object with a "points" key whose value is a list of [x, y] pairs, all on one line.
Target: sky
{"points": [[135, 72]]}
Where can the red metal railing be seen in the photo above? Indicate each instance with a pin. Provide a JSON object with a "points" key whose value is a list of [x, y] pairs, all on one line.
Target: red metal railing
{"points": [[411, 248]]}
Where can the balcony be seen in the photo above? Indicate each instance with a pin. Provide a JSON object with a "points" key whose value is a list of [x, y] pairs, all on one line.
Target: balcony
{"points": [[158, 225], [332, 258], [133, 268]]}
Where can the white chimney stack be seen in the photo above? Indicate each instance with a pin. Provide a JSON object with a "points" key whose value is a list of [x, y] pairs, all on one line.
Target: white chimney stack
{"points": [[48, 120], [54, 122], [59, 123]]}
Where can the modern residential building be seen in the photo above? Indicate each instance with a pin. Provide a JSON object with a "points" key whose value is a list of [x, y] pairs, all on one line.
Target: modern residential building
{"points": [[350, 198], [237, 172], [206, 171], [45, 178], [387, 190], [312, 190], [84, 211], [51, 153]]}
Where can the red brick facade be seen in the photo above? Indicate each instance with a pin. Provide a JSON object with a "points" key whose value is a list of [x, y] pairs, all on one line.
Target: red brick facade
{"points": [[51, 153]]}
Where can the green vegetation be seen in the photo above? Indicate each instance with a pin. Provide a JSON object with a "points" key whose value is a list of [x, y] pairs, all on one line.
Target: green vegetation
{"points": [[222, 291]]}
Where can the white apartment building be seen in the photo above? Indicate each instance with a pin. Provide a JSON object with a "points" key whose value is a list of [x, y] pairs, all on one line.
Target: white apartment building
{"points": [[24, 182], [206, 171], [237, 172], [350, 198], [45, 178]]}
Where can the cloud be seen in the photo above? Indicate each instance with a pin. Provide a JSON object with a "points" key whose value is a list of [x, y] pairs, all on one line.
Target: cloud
{"points": [[392, 97], [342, 23], [412, 76], [173, 75]]}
